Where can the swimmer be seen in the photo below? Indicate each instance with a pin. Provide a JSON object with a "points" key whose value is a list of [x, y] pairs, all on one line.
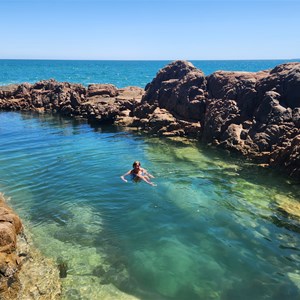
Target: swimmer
{"points": [[138, 173]]}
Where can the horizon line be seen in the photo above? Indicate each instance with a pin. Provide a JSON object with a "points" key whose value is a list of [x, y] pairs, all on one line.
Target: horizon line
{"points": [[218, 59]]}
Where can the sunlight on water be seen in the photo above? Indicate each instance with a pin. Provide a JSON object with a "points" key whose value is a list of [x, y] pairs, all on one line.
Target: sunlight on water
{"points": [[215, 227], [73, 244]]}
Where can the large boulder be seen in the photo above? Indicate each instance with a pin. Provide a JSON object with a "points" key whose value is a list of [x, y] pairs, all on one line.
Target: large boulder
{"points": [[10, 261], [237, 86], [285, 80], [106, 90], [179, 88], [219, 115]]}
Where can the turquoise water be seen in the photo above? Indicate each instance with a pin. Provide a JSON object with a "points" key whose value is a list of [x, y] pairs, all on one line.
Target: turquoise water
{"points": [[119, 73], [214, 227]]}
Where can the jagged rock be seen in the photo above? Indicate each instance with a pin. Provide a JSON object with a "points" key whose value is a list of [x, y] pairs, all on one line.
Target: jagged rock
{"points": [[285, 80], [232, 135], [7, 237], [219, 115], [10, 262], [106, 90], [24, 273], [237, 86], [270, 109], [288, 157], [179, 88], [7, 215], [296, 116]]}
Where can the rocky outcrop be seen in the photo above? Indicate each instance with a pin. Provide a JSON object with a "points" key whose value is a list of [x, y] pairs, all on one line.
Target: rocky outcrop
{"points": [[10, 260], [102, 103], [22, 267], [180, 89], [178, 92], [256, 114]]}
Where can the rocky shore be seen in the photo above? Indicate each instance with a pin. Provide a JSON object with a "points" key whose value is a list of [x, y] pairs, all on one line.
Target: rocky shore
{"points": [[24, 272], [255, 114]]}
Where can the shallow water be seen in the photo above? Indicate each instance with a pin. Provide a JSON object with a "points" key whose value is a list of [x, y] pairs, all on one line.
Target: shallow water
{"points": [[214, 227]]}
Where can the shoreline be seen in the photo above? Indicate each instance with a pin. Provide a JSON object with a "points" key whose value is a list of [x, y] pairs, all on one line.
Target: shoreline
{"points": [[256, 114], [25, 272]]}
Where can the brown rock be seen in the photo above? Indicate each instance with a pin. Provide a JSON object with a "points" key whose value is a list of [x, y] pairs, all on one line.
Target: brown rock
{"points": [[232, 135], [238, 86], [7, 237], [269, 108], [7, 215], [9, 264], [288, 157], [107, 90], [285, 80], [219, 115], [179, 88]]}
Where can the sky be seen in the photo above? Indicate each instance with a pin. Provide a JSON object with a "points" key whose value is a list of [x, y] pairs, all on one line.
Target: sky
{"points": [[149, 29]]}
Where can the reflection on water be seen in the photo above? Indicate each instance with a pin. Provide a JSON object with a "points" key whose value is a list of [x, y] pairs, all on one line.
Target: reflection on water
{"points": [[215, 227]]}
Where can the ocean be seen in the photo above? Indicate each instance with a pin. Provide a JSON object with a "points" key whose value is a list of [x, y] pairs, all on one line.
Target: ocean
{"points": [[216, 226], [119, 73]]}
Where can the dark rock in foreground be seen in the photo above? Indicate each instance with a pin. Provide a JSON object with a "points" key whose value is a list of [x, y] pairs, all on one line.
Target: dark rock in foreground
{"points": [[256, 114]]}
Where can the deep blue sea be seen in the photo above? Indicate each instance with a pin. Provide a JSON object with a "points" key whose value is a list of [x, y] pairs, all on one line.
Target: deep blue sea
{"points": [[215, 227], [119, 73]]}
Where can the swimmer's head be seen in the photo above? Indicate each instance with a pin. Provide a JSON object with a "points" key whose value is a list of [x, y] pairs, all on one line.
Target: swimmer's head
{"points": [[136, 164]]}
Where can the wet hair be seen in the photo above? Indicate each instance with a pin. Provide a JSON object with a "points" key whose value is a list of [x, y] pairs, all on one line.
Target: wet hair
{"points": [[136, 163]]}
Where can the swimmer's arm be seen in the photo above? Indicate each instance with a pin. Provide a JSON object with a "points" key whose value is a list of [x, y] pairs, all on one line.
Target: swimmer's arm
{"points": [[146, 180], [123, 176], [147, 173]]}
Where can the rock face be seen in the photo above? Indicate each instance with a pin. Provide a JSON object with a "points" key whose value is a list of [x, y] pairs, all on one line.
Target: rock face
{"points": [[22, 269], [174, 102], [256, 114], [10, 261], [102, 103], [180, 89]]}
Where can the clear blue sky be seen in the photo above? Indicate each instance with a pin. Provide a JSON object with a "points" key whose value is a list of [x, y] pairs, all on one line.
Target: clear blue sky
{"points": [[150, 29]]}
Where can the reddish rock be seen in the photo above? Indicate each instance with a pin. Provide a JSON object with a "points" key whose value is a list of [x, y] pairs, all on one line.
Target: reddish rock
{"points": [[237, 86], [107, 90], [285, 80], [7, 215], [7, 237], [10, 261], [179, 88]]}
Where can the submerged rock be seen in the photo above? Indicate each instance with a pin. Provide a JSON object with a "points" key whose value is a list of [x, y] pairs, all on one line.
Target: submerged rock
{"points": [[63, 268], [39, 276]]}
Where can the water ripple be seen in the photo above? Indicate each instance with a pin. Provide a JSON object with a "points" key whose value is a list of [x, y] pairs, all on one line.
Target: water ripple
{"points": [[213, 228]]}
